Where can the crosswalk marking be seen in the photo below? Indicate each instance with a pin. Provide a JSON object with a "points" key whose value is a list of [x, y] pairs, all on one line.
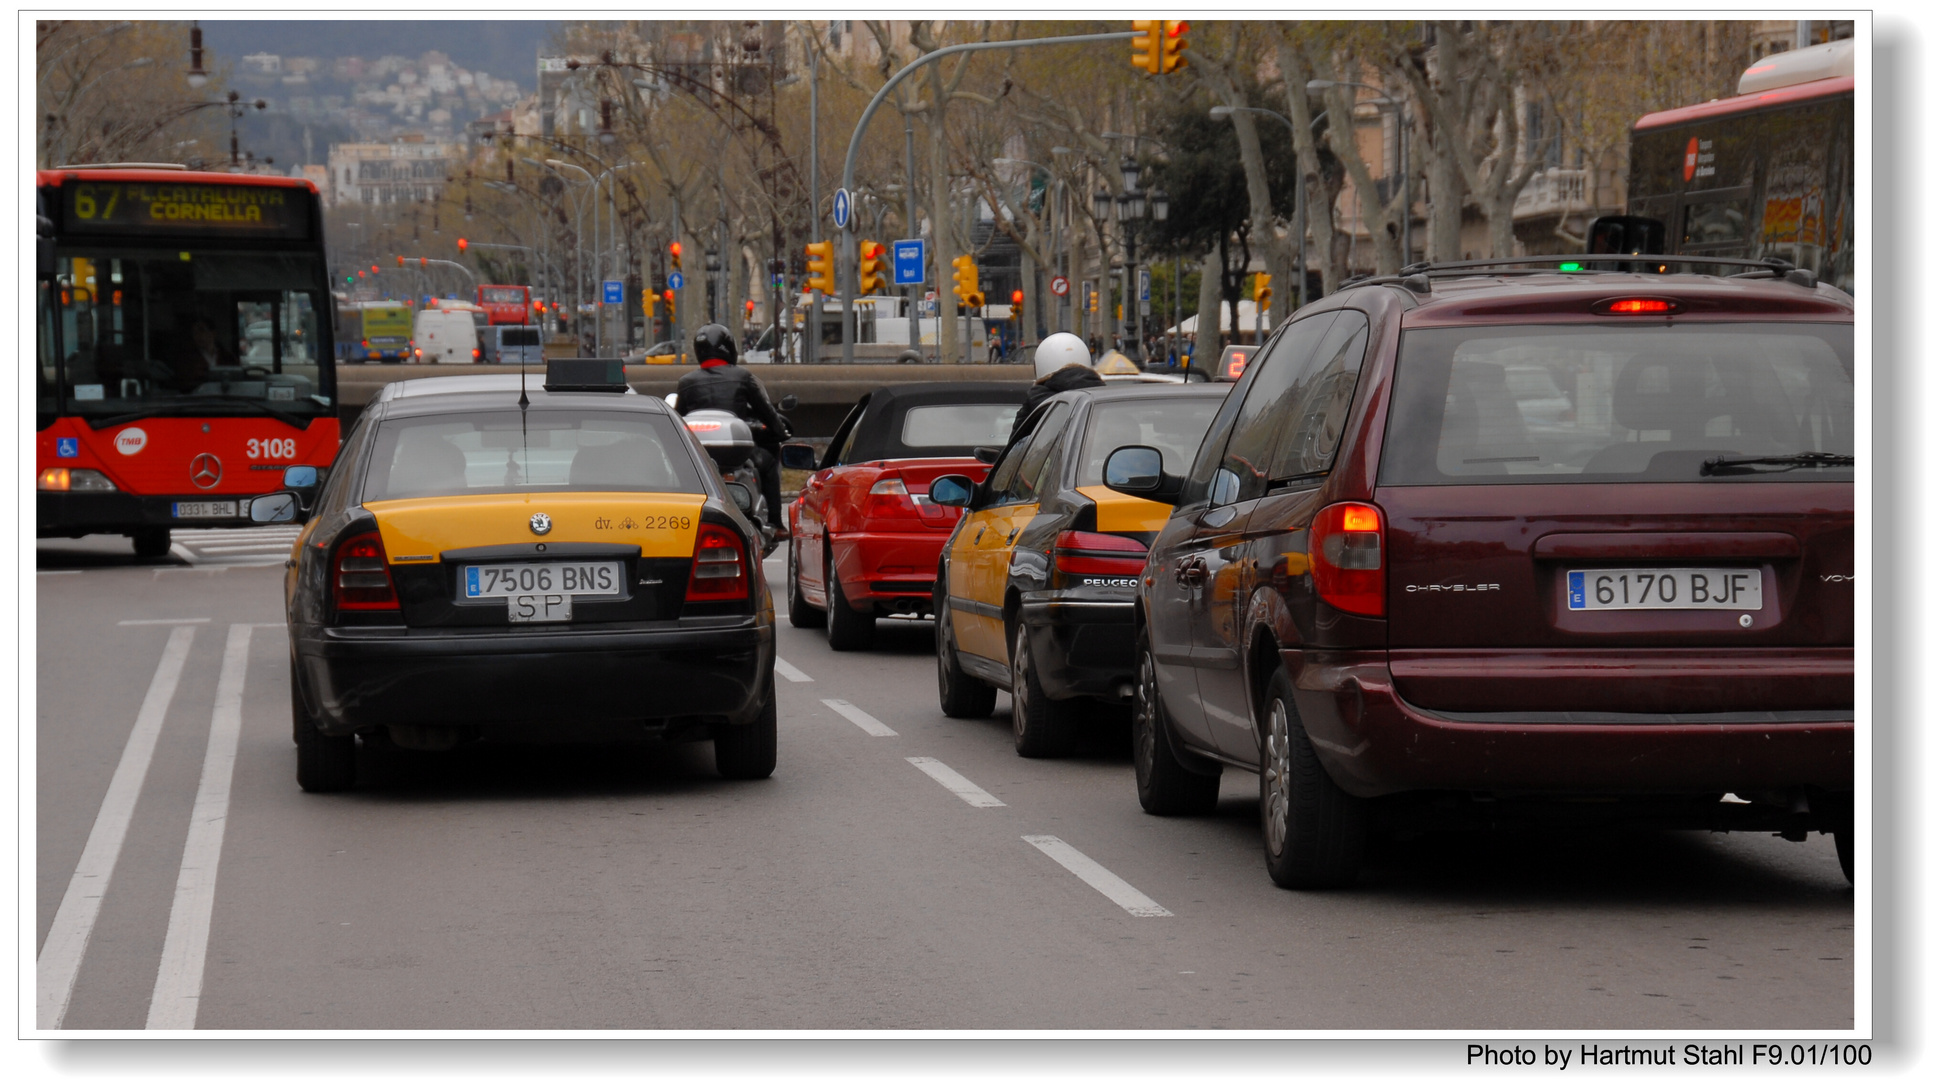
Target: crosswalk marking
{"points": [[74, 920], [262, 546], [185, 948]]}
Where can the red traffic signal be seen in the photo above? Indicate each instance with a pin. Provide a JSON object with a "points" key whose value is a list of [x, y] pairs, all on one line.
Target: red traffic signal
{"points": [[401, 260], [374, 268], [361, 273], [462, 244], [422, 260], [1019, 297]]}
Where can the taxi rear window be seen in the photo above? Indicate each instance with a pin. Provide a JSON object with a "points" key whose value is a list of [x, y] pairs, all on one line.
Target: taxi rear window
{"points": [[495, 453], [1174, 426]]}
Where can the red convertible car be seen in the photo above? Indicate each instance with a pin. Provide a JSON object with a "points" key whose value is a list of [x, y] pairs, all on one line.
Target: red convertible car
{"points": [[864, 537]]}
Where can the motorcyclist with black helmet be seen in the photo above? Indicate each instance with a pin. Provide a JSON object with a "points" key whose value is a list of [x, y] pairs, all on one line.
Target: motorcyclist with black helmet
{"points": [[720, 384]]}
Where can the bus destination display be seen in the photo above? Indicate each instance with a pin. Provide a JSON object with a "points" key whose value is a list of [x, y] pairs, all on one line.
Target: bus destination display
{"points": [[137, 208]]}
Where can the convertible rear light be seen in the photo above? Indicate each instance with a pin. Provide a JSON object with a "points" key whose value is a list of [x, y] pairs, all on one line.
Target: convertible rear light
{"points": [[1347, 557], [717, 572], [360, 580], [1105, 554], [890, 486]]}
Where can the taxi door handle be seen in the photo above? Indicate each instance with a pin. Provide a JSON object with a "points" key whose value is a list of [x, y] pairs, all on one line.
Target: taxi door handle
{"points": [[980, 534], [1191, 571], [1011, 535]]}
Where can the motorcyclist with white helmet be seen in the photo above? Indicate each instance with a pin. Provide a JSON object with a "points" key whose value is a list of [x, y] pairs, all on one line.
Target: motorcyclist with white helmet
{"points": [[1060, 363]]}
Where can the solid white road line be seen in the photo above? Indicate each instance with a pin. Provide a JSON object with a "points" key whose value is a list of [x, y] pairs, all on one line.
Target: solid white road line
{"points": [[179, 978], [859, 717], [953, 782], [161, 622], [74, 921], [1104, 881], [789, 671]]}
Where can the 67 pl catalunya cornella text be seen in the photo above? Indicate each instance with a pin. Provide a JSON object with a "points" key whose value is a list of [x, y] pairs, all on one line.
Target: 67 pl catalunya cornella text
{"points": [[1559, 1057]]}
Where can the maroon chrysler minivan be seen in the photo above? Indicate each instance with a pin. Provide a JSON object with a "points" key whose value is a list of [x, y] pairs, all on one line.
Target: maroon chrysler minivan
{"points": [[1498, 542]]}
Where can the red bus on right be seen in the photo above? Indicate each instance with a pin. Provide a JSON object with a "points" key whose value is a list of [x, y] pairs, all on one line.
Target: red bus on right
{"points": [[1768, 173]]}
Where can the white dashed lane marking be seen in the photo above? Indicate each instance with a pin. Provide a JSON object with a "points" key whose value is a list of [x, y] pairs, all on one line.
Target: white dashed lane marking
{"points": [[161, 622], [859, 717], [1104, 881], [789, 671], [949, 779]]}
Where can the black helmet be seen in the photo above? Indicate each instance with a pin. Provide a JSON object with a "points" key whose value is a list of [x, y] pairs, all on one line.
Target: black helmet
{"points": [[714, 342]]}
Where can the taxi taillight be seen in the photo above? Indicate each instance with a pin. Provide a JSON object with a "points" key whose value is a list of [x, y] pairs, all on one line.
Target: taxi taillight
{"points": [[1347, 557], [718, 573], [1099, 553], [360, 580]]}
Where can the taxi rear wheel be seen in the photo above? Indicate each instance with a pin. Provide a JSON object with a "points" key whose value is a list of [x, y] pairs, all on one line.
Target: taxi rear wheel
{"points": [[961, 696], [847, 630], [1042, 727], [802, 615], [324, 762], [749, 751]]}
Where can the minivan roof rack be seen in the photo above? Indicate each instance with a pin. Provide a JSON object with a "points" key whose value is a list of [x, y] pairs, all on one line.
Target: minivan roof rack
{"points": [[1418, 276]]}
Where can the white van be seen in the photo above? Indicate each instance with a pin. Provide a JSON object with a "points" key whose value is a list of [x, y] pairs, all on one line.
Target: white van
{"points": [[444, 336], [513, 345]]}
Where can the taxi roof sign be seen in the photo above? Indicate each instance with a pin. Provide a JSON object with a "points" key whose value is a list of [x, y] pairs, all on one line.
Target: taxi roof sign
{"points": [[585, 376]]}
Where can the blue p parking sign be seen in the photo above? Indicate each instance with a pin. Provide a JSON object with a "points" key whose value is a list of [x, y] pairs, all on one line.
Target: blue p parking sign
{"points": [[908, 262]]}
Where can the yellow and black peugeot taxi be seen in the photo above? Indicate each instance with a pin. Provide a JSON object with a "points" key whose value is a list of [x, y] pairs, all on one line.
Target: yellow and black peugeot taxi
{"points": [[1036, 588], [493, 557]]}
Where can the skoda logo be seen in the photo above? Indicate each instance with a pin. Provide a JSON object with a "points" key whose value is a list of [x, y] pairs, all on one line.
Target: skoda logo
{"points": [[541, 524], [205, 470]]}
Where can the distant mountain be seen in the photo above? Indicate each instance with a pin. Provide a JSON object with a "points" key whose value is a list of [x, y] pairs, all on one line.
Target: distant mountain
{"points": [[504, 49]]}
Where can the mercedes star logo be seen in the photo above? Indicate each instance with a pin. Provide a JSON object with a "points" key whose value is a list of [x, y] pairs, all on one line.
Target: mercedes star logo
{"points": [[541, 524], [205, 470]]}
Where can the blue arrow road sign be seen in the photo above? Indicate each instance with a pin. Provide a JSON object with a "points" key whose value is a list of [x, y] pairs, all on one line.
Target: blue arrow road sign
{"points": [[841, 208], [611, 292], [675, 280], [908, 262]]}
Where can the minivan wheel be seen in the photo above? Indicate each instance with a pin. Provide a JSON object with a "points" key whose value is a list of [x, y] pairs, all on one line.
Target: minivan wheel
{"points": [[847, 630], [1163, 785], [1313, 833], [961, 696], [1042, 727], [802, 615]]}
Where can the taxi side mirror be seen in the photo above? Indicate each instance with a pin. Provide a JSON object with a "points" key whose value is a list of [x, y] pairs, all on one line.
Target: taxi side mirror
{"points": [[986, 454], [951, 491], [1137, 471], [798, 456], [274, 508]]}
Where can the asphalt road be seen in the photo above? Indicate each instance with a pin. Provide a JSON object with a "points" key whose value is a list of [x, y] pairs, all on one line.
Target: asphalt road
{"points": [[900, 870]]}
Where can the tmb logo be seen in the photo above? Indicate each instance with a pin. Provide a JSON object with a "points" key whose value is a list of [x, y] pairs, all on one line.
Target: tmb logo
{"points": [[131, 440]]}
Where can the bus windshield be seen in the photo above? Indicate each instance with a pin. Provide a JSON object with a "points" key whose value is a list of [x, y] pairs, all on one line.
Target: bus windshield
{"points": [[139, 332]]}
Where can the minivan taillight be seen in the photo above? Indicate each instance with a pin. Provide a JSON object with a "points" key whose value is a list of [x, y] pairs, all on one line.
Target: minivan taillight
{"points": [[1347, 557], [360, 580], [718, 570], [1099, 553]]}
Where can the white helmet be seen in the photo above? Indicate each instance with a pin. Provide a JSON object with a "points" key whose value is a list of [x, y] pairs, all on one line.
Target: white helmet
{"points": [[1057, 351]]}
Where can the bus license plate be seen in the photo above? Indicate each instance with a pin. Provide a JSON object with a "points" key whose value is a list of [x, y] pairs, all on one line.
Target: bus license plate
{"points": [[540, 607], [225, 509], [526, 579], [1713, 588]]}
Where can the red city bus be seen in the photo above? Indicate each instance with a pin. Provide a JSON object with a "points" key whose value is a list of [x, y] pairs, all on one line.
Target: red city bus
{"points": [[506, 305], [185, 355]]}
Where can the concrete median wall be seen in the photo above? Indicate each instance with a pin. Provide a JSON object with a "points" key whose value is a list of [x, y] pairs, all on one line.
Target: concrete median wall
{"points": [[825, 392]]}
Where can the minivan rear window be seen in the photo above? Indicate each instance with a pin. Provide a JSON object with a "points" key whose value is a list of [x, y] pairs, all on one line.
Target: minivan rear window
{"points": [[1619, 404]]}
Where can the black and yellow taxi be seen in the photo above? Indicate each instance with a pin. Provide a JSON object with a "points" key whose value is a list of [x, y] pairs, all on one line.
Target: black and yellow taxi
{"points": [[524, 559], [1036, 587]]}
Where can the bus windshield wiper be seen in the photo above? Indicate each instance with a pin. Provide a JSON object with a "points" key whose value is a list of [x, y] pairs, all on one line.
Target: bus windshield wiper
{"points": [[1809, 459], [211, 406]]}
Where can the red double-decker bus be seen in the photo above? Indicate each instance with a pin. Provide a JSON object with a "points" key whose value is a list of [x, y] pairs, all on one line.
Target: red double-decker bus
{"points": [[185, 355], [506, 305]]}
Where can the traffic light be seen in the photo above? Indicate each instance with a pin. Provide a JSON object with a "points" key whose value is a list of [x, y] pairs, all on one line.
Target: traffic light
{"points": [[648, 303], [1261, 292], [749, 310], [462, 245], [871, 267], [1175, 37], [1148, 47], [668, 297], [823, 268], [965, 279], [422, 262], [675, 255], [1019, 298], [374, 268], [401, 260]]}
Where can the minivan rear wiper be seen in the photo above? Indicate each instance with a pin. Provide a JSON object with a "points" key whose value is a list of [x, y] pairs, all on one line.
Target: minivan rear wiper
{"points": [[1809, 459]]}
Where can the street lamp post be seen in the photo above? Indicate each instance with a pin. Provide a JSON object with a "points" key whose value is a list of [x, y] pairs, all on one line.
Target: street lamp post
{"points": [[1131, 206], [1386, 101]]}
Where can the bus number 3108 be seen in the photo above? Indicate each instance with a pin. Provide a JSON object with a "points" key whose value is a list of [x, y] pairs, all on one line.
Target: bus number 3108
{"points": [[273, 448]]}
